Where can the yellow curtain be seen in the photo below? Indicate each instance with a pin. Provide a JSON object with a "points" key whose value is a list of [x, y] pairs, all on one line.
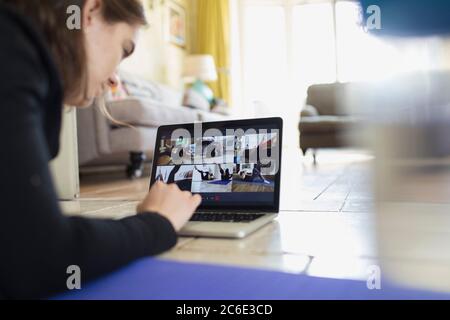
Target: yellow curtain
{"points": [[213, 37]]}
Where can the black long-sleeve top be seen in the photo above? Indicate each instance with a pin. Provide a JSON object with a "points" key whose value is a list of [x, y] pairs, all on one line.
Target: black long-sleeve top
{"points": [[37, 242]]}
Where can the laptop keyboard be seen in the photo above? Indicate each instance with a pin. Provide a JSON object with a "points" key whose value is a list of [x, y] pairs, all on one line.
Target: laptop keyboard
{"points": [[226, 217]]}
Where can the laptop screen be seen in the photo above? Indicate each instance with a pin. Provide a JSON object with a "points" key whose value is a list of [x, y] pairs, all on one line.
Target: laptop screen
{"points": [[232, 164]]}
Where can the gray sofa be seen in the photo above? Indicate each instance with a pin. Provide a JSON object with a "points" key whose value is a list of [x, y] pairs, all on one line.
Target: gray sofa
{"points": [[147, 106], [324, 121]]}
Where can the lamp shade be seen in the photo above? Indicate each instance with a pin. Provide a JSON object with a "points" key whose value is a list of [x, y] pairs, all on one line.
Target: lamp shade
{"points": [[200, 67]]}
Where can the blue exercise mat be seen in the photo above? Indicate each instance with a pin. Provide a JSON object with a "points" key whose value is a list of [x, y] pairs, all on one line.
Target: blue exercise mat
{"points": [[154, 279], [221, 182]]}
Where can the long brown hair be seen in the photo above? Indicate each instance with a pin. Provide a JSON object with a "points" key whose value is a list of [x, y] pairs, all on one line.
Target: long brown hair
{"points": [[67, 46]]}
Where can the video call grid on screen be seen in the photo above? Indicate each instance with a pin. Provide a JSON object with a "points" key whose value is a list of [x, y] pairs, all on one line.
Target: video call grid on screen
{"points": [[224, 169]]}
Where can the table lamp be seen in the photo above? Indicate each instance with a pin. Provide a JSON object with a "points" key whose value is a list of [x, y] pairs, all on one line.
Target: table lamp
{"points": [[199, 69]]}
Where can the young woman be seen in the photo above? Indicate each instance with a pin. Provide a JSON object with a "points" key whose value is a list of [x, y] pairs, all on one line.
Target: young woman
{"points": [[44, 64], [206, 175], [225, 174]]}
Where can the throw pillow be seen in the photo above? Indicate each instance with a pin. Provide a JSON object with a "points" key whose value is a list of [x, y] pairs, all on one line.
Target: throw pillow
{"points": [[195, 100]]}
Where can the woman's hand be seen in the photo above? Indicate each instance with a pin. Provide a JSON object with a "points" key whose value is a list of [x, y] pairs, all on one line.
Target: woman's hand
{"points": [[169, 201]]}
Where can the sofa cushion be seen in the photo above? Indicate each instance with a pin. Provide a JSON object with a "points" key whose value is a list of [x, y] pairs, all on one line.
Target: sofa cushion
{"points": [[327, 98], [327, 124], [169, 96], [137, 87], [309, 111], [195, 100], [149, 113], [205, 116]]}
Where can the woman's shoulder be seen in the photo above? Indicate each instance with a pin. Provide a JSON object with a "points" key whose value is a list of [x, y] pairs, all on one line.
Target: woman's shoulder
{"points": [[28, 69], [15, 33], [22, 44]]}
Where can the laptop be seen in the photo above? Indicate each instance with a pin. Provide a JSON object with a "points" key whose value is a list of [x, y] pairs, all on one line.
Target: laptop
{"points": [[234, 165]]}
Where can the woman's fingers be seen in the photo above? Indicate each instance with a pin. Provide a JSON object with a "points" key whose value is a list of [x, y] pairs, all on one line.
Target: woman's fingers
{"points": [[171, 202], [196, 199]]}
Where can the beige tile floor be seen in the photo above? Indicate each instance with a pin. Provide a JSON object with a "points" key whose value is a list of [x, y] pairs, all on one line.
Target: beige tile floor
{"points": [[325, 227]]}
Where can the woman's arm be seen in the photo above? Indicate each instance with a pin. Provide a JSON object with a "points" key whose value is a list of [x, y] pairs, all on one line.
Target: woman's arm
{"points": [[38, 243]]}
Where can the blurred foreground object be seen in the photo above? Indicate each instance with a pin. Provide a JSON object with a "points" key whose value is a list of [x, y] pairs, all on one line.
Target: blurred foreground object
{"points": [[409, 18], [411, 141], [410, 134]]}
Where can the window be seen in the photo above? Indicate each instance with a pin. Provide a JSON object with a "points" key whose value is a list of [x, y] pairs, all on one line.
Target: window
{"points": [[314, 48], [265, 67], [287, 45], [359, 55]]}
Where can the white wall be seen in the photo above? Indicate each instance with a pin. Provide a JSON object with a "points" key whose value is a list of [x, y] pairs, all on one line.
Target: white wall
{"points": [[65, 167], [155, 58]]}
